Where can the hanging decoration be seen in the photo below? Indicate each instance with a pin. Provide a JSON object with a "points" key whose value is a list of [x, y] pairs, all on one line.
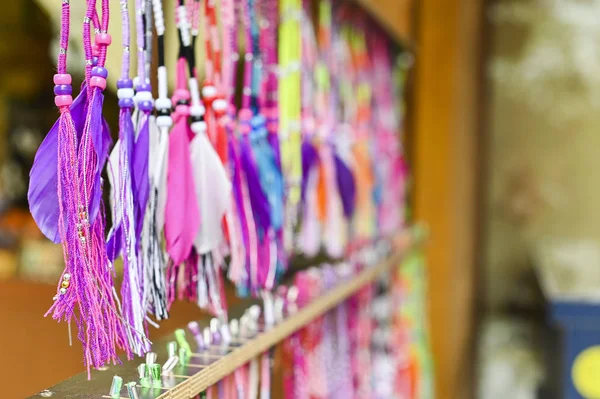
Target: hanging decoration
{"points": [[282, 139]]}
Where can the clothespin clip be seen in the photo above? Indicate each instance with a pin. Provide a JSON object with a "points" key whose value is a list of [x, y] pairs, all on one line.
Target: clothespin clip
{"points": [[268, 310], [244, 330], [254, 317], [115, 387], [194, 328], [171, 348], [214, 330], [170, 364], [207, 337], [278, 308], [132, 390], [181, 340], [144, 375], [225, 334], [156, 375], [234, 329], [150, 358], [292, 296]]}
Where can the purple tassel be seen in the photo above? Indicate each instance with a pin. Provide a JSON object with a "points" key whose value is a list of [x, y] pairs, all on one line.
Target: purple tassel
{"points": [[346, 186], [258, 199], [89, 282]]}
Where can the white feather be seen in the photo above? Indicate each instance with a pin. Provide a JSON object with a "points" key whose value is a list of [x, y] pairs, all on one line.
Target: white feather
{"points": [[213, 192]]}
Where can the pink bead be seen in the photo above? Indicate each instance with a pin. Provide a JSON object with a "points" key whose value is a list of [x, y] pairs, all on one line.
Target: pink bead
{"points": [[245, 114], [182, 109], [181, 94], [64, 100], [270, 113], [98, 81], [103, 38], [245, 129], [62, 79], [96, 51]]}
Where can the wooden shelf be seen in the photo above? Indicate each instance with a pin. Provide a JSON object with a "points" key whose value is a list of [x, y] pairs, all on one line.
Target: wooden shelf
{"points": [[395, 16], [227, 364], [206, 370]]}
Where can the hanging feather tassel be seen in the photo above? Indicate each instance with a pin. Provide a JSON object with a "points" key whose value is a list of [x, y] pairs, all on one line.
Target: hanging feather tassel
{"points": [[213, 191], [258, 199], [271, 181], [238, 274], [182, 216]]}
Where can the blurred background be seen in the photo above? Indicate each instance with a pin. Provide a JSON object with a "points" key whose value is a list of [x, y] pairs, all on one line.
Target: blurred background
{"points": [[503, 139]]}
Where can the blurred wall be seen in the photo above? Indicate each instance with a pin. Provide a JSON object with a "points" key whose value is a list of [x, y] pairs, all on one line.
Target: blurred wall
{"points": [[542, 153]]}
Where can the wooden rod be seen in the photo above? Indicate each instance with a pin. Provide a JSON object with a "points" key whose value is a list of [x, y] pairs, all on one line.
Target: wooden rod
{"points": [[254, 347]]}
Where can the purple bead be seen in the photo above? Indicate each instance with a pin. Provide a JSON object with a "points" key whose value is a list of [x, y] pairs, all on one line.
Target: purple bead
{"points": [[126, 103], [95, 61], [143, 87], [125, 84], [145, 106], [99, 71], [61, 90]]}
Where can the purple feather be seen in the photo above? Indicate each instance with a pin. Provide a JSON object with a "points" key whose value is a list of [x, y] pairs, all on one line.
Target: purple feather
{"points": [[114, 243], [141, 183], [310, 159], [236, 180], [101, 141], [346, 186], [274, 142], [43, 177], [258, 199]]}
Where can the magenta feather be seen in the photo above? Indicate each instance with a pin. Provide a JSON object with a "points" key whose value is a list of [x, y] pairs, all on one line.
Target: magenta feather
{"points": [[140, 177], [182, 216]]}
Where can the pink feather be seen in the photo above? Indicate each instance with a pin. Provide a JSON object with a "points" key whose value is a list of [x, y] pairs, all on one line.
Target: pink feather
{"points": [[182, 216]]}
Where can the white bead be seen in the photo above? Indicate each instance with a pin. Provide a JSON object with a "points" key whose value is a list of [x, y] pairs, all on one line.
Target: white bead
{"points": [[136, 81], [66, 276], [198, 127], [163, 103], [159, 19], [63, 291], [219, 105], [209, 91], [125, 93], [143, 96], [164, 121], [197, 110]]}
